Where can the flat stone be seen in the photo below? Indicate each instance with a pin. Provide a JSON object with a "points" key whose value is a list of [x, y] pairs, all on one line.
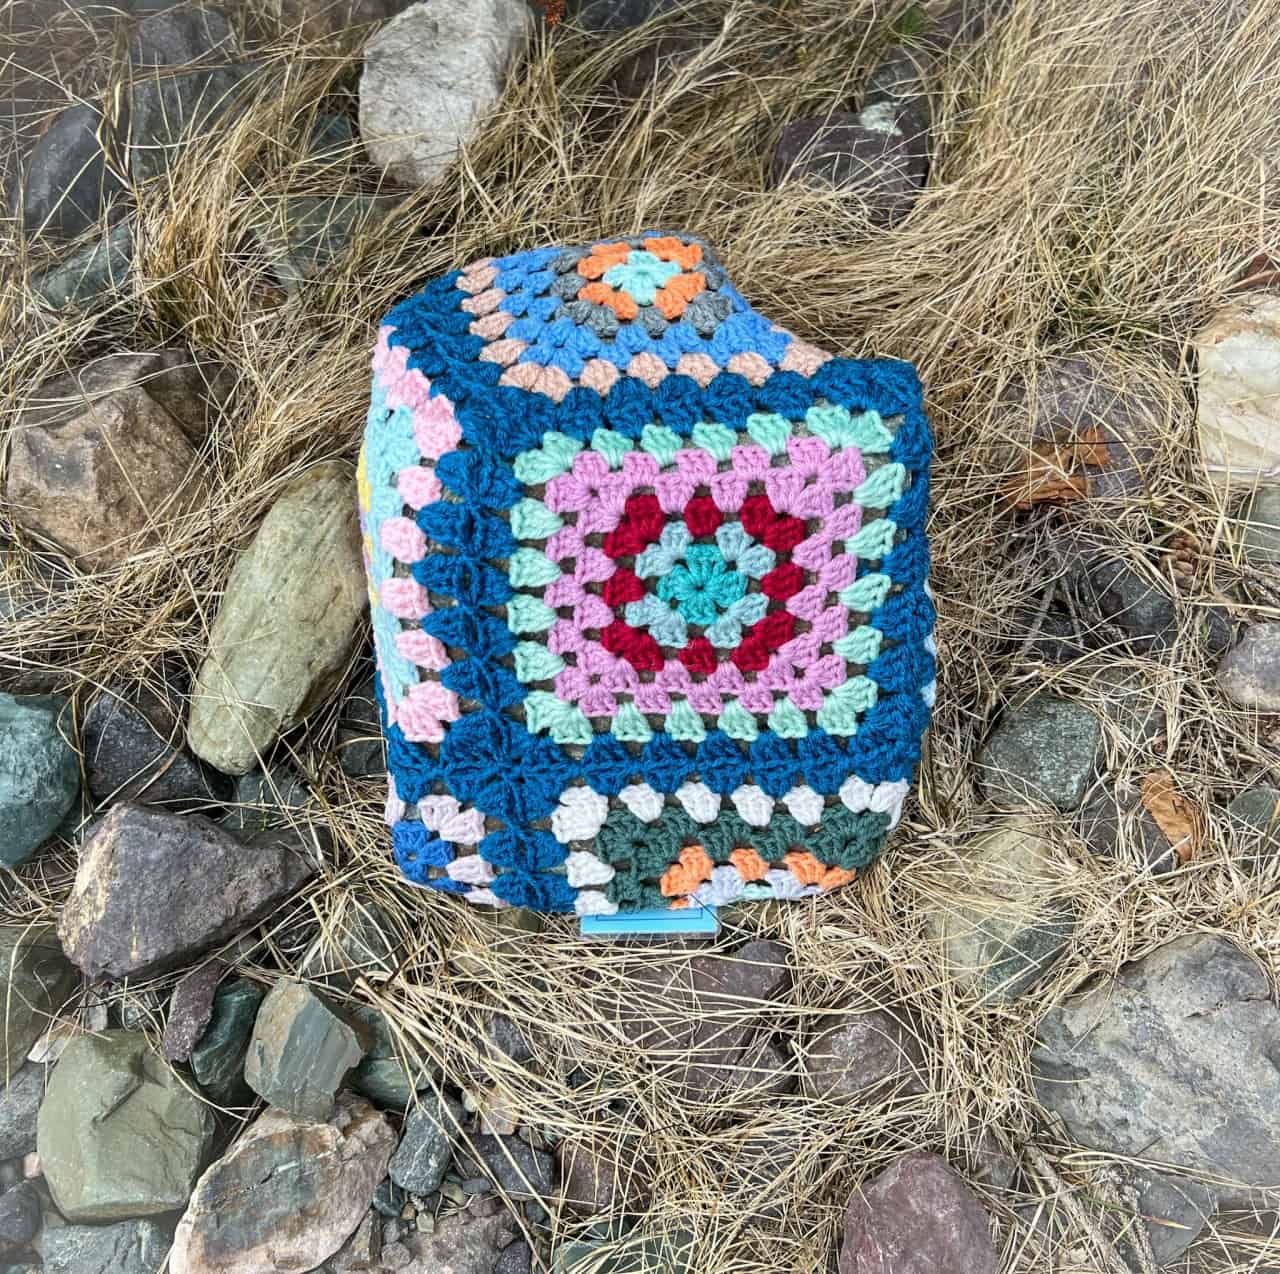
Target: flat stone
{"points": [[603, 1174], [154, 890], [916, 1217], [36, 981], [1006, 915], [879, 157], [289, 614], [1172, 1061], [103, 484], [523, 1173], [1103, 417], [1172, 1210], [1238, 390], [217, 1060], [361, 750], [19, 1218], [191, 387], [190, 1010], [1259, 520], [67, 183], [119, 1134], [300, 1052], [1249, 675], [426, 1144], [39, 773], [20, 1101], [1145, 613], [92, 275], [133, 751], [128, 1247], [305, 236], [1256, 815], [868, 1054], [431, 76], [1115, 824], [635, 1253], [287, 1195], [1045, 751]]}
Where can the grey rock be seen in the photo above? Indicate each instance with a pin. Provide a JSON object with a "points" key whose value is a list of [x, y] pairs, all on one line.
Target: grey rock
{"points": [[361, 751], [1172, 1061], [68, 180], [515, 1258], [1056, 641], [19, 1218], [1129, 702], [119, 1134], [766, 1173], [190, 387], [867, 1054], [190, 1010], [300, 1052], [1078, 398], [1047, 750], [1173, 1210], [354, 942], [1114, 822], [153, 890], [318, 19], [304, 236], [1260, 523], [879, 156], [331, 140], [961, 22], [635, 1253], [430, 77], [36, 981], [276, 649], [617, 15], [523, 1173], [91, 275], [463, 1242], [1005, 916], [288, 1194], [361, 1251], [1256, 815], [1249, 675], [128, 1247], [389, 1199], [916, 1217], [1145, 613], [264, 799], [382, 1075], [603, 1173], [39, 773], [764, 1069], [133, 751], [426, 1145], [217, 1061], [20, 1101], [181, 35]]}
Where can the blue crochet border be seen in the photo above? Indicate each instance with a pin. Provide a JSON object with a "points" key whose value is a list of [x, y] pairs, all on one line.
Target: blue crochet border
{"points": [[490, 760]]}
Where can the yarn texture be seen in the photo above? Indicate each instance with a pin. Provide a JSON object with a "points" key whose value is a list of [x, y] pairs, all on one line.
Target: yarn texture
{"points": [[649, 583]]}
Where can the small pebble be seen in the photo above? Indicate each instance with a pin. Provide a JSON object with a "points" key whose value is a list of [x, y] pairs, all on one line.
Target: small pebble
{"points": [[31, 1168], [476, 1185], [453, 1192], [395, 1256], [426, 1223]]}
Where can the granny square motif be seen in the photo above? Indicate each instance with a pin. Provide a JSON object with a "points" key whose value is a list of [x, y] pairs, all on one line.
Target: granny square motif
{"points": [[649, 586]]}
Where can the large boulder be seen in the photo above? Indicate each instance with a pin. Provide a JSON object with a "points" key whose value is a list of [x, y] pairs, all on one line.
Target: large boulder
{"points": [[430, 77], [120, 1135], [39, 773], [289, 614], [916, 1217], [287, 1195], [1239, 392], [1172, 1061], [153, 890]]}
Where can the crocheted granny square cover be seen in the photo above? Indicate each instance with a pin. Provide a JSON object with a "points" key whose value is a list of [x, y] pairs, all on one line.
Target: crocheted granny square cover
{"points": [[649, 586]]}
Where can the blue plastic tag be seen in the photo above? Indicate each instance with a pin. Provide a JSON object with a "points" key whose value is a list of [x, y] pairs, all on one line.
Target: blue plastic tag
{"points": [[659, 922]]}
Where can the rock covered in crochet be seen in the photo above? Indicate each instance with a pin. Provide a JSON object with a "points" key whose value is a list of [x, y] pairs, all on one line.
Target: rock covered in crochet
{"points": [[430, 76], [649, 586]]}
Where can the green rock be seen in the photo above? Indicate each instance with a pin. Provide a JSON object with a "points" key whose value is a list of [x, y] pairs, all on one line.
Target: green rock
{"points": [[39, 773], [382, 1076], [267, 799], [218, 1059], [36, 980], [128, 1247], [119, 1134], [426, 1145], [1261, 519], [90, 275], [1044, 752], [300, 1051], [633, 1254], [1256, 813]]}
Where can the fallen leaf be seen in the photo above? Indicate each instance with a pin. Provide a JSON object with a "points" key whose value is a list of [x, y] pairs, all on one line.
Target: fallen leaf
{"points": [[1176, 816], [1092, 448], [1048, 479]]}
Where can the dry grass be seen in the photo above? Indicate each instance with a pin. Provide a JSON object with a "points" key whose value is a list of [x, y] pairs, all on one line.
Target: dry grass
{"points": [[1101, 176]]}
